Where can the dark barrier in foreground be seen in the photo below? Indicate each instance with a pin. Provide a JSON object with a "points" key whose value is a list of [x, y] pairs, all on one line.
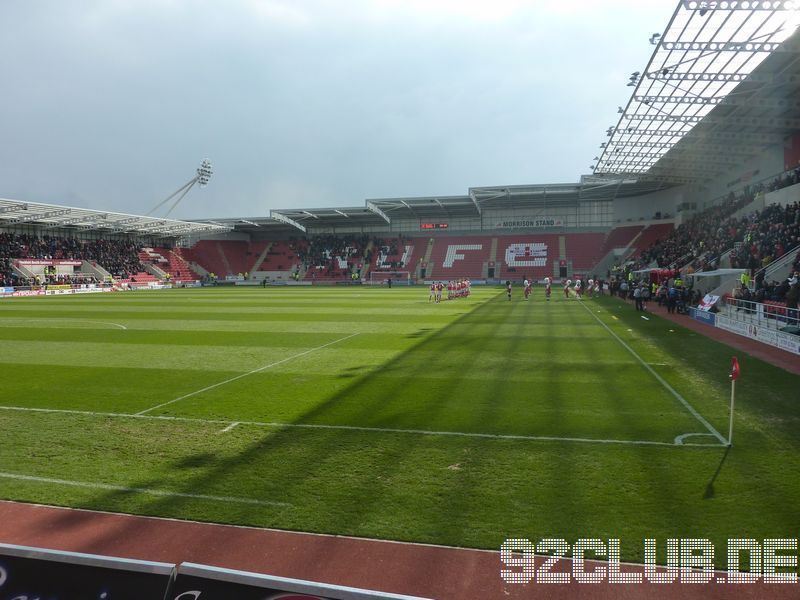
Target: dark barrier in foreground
{"points": [[198, 582], [32, 573], [37, 574]]}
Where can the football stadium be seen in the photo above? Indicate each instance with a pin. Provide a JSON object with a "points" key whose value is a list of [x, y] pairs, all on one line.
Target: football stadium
{"points": [[432, 396]]}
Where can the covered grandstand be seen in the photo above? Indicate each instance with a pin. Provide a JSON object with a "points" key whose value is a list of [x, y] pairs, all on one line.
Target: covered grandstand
{"points": [[712, 121]]}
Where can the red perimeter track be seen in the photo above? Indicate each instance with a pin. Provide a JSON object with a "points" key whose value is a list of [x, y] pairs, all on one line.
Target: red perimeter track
{"points": [[414, 569], [769, 354]]}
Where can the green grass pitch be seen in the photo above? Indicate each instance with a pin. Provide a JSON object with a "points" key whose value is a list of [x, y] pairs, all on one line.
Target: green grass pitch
{"points": [[372, 412]]}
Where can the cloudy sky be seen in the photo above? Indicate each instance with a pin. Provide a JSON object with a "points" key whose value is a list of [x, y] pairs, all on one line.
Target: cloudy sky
{"points": [[112, 104]]}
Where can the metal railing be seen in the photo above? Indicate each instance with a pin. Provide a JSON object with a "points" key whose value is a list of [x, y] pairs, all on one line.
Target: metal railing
{"points": [[771, 315]]}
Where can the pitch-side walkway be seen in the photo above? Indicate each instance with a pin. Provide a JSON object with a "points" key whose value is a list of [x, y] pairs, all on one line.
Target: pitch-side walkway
{"points": [[775, 356], [414, 569]]}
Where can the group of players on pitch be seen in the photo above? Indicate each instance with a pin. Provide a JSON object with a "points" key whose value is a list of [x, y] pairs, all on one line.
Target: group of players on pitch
{"points": [[455, 289], [576, 290]]}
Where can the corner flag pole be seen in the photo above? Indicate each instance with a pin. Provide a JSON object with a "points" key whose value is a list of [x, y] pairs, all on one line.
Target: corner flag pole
{"points": [[734, 375]]}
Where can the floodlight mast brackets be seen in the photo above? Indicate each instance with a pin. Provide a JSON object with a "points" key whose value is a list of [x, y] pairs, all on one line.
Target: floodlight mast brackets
{"points": [[204, 173]]}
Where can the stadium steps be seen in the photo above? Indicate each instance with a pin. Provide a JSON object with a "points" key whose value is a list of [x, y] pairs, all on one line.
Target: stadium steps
{"points": [[224, 258], [21, 271], [155, 271], [649, 236], [179, 263], [91, 267], [184, 255], [780, 268], [427, 259], [261, 258], [583, 251], [367, 263]]}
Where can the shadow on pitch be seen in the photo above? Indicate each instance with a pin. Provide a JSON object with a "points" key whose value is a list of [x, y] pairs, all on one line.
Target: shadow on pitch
{"points": [[332, 480], [710, 492]]}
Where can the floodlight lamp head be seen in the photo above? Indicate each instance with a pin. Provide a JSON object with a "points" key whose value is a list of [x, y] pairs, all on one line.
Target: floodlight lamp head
{"points": [[204, 173], [655, 38]]}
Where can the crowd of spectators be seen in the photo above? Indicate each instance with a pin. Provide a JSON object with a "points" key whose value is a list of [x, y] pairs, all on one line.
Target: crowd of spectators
{"points": [[665, 288], [705, 236], [759, 237], [6, 276], [333, 255], [118, 257], [766, 235]]}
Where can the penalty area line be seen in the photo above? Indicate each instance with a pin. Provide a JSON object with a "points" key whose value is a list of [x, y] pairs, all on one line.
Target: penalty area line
{"points": [[663, 382], [138, 490], [379, 430], [254, 371]]}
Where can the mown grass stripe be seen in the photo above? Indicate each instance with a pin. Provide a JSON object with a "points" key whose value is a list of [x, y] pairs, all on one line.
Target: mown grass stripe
{"points": [[138, 490], [662, 381], [382, 430], [232, 379]]}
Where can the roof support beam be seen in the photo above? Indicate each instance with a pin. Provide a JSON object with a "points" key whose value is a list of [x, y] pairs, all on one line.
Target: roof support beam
{"points": [[13, 208], [658, 132], [706, 5], [475, 202], [39, 216], [671, 118], [704, 47], [771, 78], [679, 99], [372, 207], [80, 220], [284, 219]]}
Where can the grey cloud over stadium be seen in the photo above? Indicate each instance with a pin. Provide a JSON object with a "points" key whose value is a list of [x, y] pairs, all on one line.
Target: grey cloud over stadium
{"points": [[112, 105]]}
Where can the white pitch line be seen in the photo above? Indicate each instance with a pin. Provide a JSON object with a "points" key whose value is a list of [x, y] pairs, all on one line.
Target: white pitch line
{"points": [[679, 439], [277, 425], [136, 490], [663, 382], [258, 370], [231, 426], [69, 321], [108, 323]]}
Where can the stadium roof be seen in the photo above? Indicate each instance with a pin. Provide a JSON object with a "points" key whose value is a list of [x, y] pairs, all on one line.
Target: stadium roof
{"points": [[377, 212], [722, 82], [53, 216]]}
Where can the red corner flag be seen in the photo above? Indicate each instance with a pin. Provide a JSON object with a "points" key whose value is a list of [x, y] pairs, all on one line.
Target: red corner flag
{"points": [[734, 369]]}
